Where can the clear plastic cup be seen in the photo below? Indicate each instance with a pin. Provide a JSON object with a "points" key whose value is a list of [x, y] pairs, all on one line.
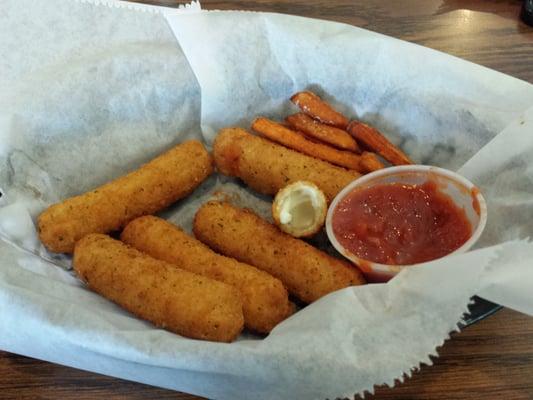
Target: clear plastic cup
{"points": [[463, 192]]}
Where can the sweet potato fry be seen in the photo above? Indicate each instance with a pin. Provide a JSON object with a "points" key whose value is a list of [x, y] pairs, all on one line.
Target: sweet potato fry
{"points": [[375, 141], [296, 141], [317, 108], [326, 133], [370, 162]]}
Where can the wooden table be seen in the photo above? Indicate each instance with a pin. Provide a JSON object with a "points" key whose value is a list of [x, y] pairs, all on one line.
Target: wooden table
{"points": [[492, 359]]}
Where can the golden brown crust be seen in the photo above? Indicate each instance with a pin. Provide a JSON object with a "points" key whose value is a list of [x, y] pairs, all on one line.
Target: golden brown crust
{"points": [[267, 167], [182, 302], [265, 299], [154, 186], [307, 272]]}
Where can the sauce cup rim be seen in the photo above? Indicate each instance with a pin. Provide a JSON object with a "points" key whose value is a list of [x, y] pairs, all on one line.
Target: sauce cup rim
{"points": [[390, 171]]}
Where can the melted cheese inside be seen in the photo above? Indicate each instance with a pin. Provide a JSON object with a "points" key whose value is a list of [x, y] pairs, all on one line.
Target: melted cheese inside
{"points": [[298, 208]]}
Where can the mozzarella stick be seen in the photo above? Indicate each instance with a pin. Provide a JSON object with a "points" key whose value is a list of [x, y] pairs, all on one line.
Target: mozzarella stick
{"points": [[268, 167], [265, 299], [177, 300], [317, 108], [307, 272], [326, 133], [375, 141], [154, 186], [296, 141]]}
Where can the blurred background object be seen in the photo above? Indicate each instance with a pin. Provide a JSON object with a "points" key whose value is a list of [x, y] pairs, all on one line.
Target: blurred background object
{"points": [[527, 12]]}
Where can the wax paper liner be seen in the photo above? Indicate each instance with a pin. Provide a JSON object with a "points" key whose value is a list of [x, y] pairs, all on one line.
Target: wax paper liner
{"points": [[89, 93]]}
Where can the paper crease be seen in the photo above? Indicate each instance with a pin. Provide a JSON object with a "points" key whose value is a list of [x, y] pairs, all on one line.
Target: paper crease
{"points": [[140, 103]]}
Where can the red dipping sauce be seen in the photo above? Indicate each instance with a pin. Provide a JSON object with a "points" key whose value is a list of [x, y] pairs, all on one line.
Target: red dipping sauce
{"points": [[399, 224]]}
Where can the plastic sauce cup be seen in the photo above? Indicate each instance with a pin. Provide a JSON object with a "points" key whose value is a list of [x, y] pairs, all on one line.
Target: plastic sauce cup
{"points": [[463, 192]]}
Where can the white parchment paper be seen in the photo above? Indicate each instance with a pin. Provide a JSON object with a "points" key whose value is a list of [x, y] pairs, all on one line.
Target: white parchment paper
{"points": [[88, 92]]}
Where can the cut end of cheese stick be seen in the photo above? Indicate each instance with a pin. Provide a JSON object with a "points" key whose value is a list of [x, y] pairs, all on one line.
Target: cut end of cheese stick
{"points": [[299, 209]]}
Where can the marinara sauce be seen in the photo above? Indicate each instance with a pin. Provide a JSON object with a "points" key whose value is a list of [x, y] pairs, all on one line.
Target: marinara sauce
{"points": [[399, 224]]}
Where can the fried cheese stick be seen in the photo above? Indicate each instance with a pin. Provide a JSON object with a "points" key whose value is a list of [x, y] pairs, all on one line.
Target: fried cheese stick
{"points": [[265, 299], [180, 301], [154, 186], [307, 272], [268, 167]]}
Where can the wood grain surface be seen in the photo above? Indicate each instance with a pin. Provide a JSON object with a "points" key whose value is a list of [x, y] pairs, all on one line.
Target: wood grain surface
{"points": [[492, 359]]}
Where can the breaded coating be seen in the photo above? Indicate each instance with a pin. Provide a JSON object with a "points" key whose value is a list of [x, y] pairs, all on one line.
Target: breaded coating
{"points": [[154, 186], [268, 167], [265, 299], [177, 300], [307, 272]]}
